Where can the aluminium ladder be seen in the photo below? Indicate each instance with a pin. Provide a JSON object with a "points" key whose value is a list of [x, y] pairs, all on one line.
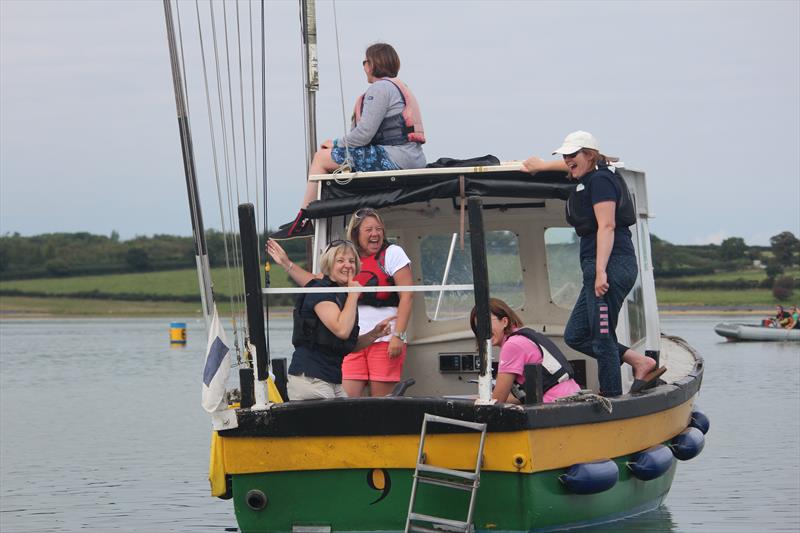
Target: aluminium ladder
{"points": [[445, 477]]}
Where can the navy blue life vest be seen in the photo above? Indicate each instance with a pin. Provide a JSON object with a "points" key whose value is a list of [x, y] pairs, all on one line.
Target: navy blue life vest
{"points": [[373, 274], [580, 211], [555, 367], [312, 333]]}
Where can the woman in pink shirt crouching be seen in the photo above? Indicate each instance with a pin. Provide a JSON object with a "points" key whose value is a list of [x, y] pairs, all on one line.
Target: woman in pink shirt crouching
{"points": [[520, 346]]}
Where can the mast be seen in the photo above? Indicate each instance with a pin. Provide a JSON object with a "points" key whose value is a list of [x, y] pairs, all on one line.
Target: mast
{"points": [[198, 232], [308, 21]]}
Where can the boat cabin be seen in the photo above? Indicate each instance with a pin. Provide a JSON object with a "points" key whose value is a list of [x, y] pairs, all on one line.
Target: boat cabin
{"points": [[532, 256]]}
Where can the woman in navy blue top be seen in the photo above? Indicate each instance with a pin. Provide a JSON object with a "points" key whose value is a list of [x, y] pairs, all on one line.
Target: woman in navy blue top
{"points": [[326, 327], [601, 210]]}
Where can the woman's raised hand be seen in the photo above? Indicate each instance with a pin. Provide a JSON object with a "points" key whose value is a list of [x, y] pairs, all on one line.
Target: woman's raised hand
{"points": [[351, 282], [277, 253]]}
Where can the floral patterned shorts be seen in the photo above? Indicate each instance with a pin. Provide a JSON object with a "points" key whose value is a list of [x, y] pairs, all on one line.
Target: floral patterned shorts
{"points": [[364, 158]]}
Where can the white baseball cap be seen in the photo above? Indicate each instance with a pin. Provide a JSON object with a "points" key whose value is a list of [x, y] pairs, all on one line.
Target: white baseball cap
{"points": [[575, 141]]}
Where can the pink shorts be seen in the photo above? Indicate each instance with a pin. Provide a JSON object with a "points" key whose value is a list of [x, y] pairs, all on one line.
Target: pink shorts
{"points": [[374, 364]]}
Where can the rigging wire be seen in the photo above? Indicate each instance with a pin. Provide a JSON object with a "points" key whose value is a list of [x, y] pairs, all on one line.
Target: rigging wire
{"points": [[241, 105], [215, 158], [185, 141], [264, 156], [238, 289], [347, 164], [253, 115]]}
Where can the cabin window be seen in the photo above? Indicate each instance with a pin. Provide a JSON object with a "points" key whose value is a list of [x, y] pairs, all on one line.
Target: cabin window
{"points": [[505, 272], [636, 321], [562, 250]]}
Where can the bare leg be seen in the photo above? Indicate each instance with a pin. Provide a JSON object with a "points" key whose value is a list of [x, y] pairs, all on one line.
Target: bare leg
{"points": [[641, 363], [354, 387], [321, 164], [381, 388]]}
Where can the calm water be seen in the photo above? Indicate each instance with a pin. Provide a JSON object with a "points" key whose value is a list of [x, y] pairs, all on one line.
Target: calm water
{"points": [[101, 429]]}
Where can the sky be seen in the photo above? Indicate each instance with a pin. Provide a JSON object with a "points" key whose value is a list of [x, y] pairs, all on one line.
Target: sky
{"points": [[702, 96]]}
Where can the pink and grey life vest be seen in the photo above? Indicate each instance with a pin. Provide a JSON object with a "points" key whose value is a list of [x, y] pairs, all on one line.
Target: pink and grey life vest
{"points": [[401, 128]]}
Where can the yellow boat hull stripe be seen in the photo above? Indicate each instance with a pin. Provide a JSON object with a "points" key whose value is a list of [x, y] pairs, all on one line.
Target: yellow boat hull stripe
{"points": [[525, 451]]}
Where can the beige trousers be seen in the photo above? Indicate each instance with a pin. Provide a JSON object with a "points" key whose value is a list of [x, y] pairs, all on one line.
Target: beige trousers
{"points": [[305, 388]]}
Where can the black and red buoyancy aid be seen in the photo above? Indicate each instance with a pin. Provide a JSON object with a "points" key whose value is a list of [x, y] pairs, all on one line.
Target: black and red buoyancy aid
{"points": [[373, 274]]}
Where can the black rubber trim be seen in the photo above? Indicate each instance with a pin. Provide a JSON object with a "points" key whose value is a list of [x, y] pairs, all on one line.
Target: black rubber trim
{"points": [[403, 415]]}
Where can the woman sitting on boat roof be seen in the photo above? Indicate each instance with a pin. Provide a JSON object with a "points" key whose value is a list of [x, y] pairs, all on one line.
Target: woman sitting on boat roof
{"points": [[379, 364], [601, 210], [387, 133], [520, 346], [326, 328]]}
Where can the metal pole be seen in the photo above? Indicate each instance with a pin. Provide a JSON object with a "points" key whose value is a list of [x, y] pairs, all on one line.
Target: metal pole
{"points": [[252, 287], [446, 273], [480, 277], [200, 249]]}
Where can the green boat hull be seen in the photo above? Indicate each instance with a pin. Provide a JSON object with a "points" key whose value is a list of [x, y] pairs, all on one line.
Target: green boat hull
{"points": [[377, 500]]}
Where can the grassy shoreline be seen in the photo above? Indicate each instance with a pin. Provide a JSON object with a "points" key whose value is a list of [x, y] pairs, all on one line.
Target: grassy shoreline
{"points": [[174, 293], [14, 307]]}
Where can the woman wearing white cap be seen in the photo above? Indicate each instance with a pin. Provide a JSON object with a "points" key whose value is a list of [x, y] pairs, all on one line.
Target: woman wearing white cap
{"points": [[601, 210]]}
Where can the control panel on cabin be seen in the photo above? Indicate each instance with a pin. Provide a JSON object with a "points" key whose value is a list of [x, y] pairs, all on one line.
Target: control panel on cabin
{"points": [[462, 363]]}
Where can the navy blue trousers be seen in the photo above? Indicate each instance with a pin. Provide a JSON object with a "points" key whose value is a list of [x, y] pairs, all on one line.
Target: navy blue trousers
{"points": [[592, 325]]}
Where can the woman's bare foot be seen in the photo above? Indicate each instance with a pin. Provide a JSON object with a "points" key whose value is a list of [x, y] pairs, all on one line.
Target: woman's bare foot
{"points": [[641, 364]]}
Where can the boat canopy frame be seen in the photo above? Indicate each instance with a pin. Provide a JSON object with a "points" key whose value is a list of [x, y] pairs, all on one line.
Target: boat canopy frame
{"points": [[342, 194]]}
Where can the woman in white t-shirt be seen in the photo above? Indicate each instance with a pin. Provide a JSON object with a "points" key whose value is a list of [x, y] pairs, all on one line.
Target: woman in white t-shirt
{"points": [[380, 364]]}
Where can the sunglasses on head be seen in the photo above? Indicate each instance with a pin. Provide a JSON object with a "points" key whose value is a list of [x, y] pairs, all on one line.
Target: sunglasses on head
{"points": [[365, 212], [336, 243]]}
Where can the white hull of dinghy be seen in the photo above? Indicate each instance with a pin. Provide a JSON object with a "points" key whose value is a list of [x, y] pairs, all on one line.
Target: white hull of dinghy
{"points": [[751, 332]]}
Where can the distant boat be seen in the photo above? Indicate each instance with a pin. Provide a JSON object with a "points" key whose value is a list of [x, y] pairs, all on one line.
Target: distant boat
{"points": [[755, 332]]}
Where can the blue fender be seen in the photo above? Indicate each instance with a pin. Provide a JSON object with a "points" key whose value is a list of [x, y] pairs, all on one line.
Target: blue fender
{"points": [[688, 444], [652, 463], [699, 420], [590, 478]]}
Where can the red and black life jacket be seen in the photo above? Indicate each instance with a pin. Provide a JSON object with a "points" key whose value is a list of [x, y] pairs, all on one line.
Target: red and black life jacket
{"points": [[401, 128], [373, 274]]}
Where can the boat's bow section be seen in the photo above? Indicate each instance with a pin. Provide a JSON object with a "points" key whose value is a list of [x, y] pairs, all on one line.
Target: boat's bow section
{"points": [[352, 460]]}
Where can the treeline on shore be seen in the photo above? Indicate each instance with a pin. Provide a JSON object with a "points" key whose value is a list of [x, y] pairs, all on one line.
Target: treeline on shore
{"points": [[84, 254], [62, 255]]}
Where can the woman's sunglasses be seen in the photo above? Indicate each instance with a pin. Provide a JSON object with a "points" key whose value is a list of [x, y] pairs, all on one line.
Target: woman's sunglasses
{"points": [[574, 154], [338, 242], [365, 212]]}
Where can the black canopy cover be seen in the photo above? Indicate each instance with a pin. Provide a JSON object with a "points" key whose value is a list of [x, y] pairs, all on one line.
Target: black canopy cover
{"points": [[379, 192]]}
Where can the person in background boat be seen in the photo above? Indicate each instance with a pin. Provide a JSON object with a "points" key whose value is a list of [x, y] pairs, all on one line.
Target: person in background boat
{"points": [[387, 133], [520, 346], [782, 317], [794, 322], [601, 210], [379, 365], [326, 329]]}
